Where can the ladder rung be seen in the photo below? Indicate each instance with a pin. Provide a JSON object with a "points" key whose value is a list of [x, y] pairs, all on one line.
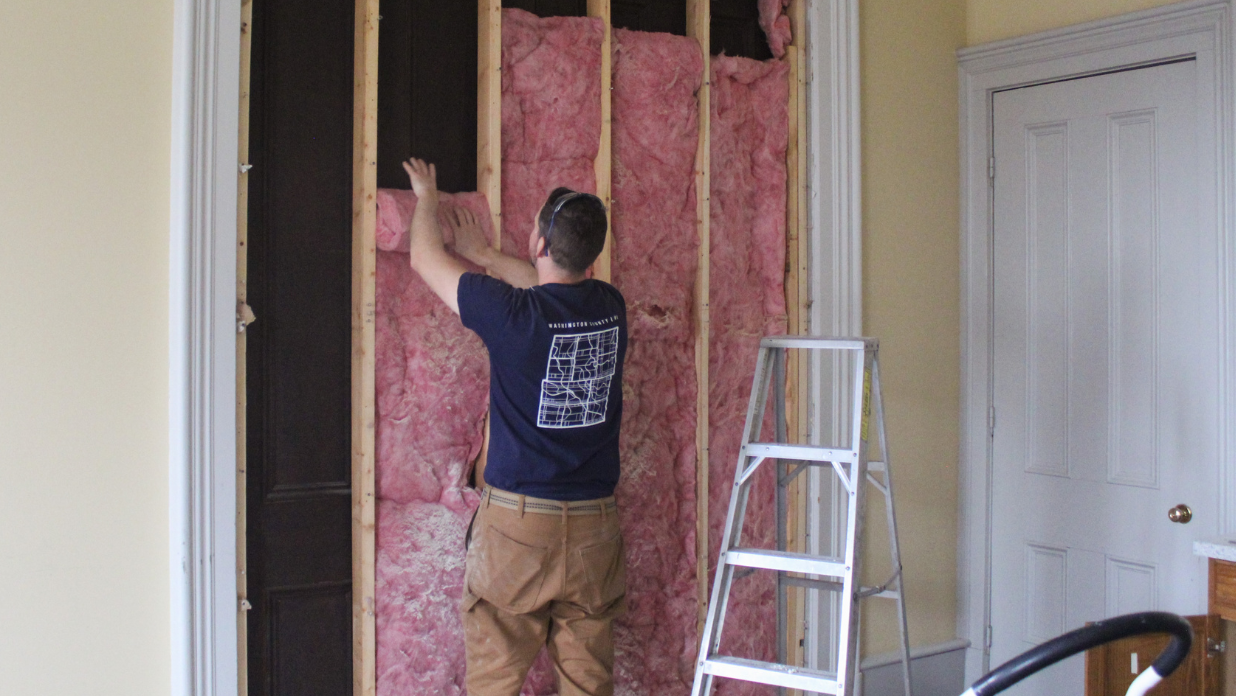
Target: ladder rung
{"points": [[772, 673], [811, 584], [834, 586], [875, 467], [801, 453], [786, 561], [819, 342]]}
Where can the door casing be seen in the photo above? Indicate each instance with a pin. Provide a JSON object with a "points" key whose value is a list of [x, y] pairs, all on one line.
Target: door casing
{"points": [[1203, 30]]}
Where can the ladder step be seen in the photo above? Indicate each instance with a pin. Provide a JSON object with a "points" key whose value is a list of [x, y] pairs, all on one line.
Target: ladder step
{"points": [[819, 343], [802, 453], [772, 673], [786, 561]]}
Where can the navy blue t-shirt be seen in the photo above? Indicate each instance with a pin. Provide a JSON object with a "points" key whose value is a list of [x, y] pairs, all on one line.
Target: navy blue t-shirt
{"points": [[555, 383]]}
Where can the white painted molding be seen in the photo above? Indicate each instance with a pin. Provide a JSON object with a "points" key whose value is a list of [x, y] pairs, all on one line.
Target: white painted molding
{"points": [[835, 241], [1200, 29], [202, 348]]}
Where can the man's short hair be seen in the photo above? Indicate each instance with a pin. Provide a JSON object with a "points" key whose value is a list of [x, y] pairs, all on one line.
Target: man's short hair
{"points": [[573, 225]]}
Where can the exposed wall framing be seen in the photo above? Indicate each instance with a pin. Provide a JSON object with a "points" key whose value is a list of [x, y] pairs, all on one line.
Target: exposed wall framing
{"points": [[364, 274], [699, 18], [603, 269], [489, 181], [798, 306]]}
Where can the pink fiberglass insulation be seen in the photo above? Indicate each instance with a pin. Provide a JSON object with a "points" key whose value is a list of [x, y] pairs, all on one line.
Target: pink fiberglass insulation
{"points": [[395, 208], [551, 114], [655, 257], [776, 25], [749, 135], [432, 392]]}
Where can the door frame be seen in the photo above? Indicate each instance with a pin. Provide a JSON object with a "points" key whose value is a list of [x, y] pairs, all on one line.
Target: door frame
{"points": [[1203, 30], [202, 334]]}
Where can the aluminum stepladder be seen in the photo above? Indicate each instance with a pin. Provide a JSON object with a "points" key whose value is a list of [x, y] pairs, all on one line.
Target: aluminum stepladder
{"points": [[832, 574]]}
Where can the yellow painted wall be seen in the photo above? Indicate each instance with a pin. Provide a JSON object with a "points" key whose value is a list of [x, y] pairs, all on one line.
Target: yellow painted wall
{"points": [[991, 20], [85, 111], [910, 288]]}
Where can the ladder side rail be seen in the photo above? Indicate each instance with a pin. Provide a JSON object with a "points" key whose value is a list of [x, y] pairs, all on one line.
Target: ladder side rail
{"points": [[847, 662], [894, 542], [715, 620]]}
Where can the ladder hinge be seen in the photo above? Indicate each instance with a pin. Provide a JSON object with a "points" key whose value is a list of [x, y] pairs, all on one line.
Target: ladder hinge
{"points": [[987, 637], [1214, 647], [991, 168]]}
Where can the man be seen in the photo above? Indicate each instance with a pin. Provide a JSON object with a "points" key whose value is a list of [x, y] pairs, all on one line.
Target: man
{"points": [[545, 565]]}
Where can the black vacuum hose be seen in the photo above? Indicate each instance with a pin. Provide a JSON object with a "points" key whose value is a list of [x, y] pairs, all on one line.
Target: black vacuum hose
{"points": [[1091, 636]]}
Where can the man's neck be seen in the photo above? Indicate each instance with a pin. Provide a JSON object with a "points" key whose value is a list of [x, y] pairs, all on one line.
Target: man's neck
{"points": [[549, 272]]}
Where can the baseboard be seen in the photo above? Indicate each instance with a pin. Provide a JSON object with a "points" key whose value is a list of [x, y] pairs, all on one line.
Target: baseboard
{"points": [[935, 670]]}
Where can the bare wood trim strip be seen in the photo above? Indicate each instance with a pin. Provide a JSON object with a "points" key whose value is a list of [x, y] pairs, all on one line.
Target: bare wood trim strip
{"points": [[364, 272], [242, 299], [698, 20]]}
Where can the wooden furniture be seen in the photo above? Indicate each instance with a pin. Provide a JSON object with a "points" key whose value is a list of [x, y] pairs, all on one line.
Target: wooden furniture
{"points": [[1111, 668], [1222, 589]]}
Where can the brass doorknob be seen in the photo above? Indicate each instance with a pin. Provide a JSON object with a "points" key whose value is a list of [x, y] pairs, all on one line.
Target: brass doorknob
{"points": [[1181, 513]]}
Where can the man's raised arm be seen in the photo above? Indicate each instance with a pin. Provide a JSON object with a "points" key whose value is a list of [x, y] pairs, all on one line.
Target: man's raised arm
{"points": [[439, 269]]}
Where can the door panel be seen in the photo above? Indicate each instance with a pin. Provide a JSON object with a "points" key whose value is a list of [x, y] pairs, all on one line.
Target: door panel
{"points": [[1107, 355], [299, 350]]}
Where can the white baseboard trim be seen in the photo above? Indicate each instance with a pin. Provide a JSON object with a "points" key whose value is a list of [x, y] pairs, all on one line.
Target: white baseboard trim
{"points": [[894, 657], [935, 670]]}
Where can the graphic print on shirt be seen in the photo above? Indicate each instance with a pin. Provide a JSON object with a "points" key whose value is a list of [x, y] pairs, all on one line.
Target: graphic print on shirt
{"points": [[575, 391]]}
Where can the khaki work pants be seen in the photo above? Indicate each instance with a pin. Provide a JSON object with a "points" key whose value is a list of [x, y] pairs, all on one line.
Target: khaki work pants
{"points": [[536, 580]]}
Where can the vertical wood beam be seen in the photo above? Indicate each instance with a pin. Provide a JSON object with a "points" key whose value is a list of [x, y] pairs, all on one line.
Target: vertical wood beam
{"points": [[364, 273], [698, 20], [489, 110], [797, 305], [242, 303], [489, 141], [603, 268]]}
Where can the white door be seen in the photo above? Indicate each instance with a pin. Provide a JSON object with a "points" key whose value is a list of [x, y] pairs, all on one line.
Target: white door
{"points": [[1107, 355]]}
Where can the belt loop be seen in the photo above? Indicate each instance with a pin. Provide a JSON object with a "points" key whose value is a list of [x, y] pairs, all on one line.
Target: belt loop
{"points": [[604, 513], [522, 498], [488, 490]]}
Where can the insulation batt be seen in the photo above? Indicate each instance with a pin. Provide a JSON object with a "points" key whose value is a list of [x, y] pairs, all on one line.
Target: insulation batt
{"points": [[551, 114], [749, 135], [776, 25], [395, 208], [655, 257], [432, 391]]}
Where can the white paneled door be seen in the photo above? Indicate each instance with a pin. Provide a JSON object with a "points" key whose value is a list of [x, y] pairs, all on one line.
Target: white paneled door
{"points": [[1107, 354]]}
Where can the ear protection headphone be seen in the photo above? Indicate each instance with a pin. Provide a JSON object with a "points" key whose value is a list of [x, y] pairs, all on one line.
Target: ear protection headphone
{"points": [[567, 198]]}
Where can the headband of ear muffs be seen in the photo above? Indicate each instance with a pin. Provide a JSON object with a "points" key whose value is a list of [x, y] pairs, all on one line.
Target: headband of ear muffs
{"points": [[566, 198]]}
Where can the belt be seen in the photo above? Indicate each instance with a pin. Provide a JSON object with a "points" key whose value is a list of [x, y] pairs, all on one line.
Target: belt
{"points": [[526, 503]]}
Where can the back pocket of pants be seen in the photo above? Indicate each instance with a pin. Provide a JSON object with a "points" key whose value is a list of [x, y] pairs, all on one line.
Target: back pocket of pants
{"points": [[506, 573], [606, 569]]}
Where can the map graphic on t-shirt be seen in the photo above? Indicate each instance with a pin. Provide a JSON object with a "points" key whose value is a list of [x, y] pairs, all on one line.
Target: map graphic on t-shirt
{"points": [[575, 391]]}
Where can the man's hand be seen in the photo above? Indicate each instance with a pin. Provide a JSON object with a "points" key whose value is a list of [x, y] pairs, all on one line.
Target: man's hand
{"points": [[424, 179], [470, 241]]}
